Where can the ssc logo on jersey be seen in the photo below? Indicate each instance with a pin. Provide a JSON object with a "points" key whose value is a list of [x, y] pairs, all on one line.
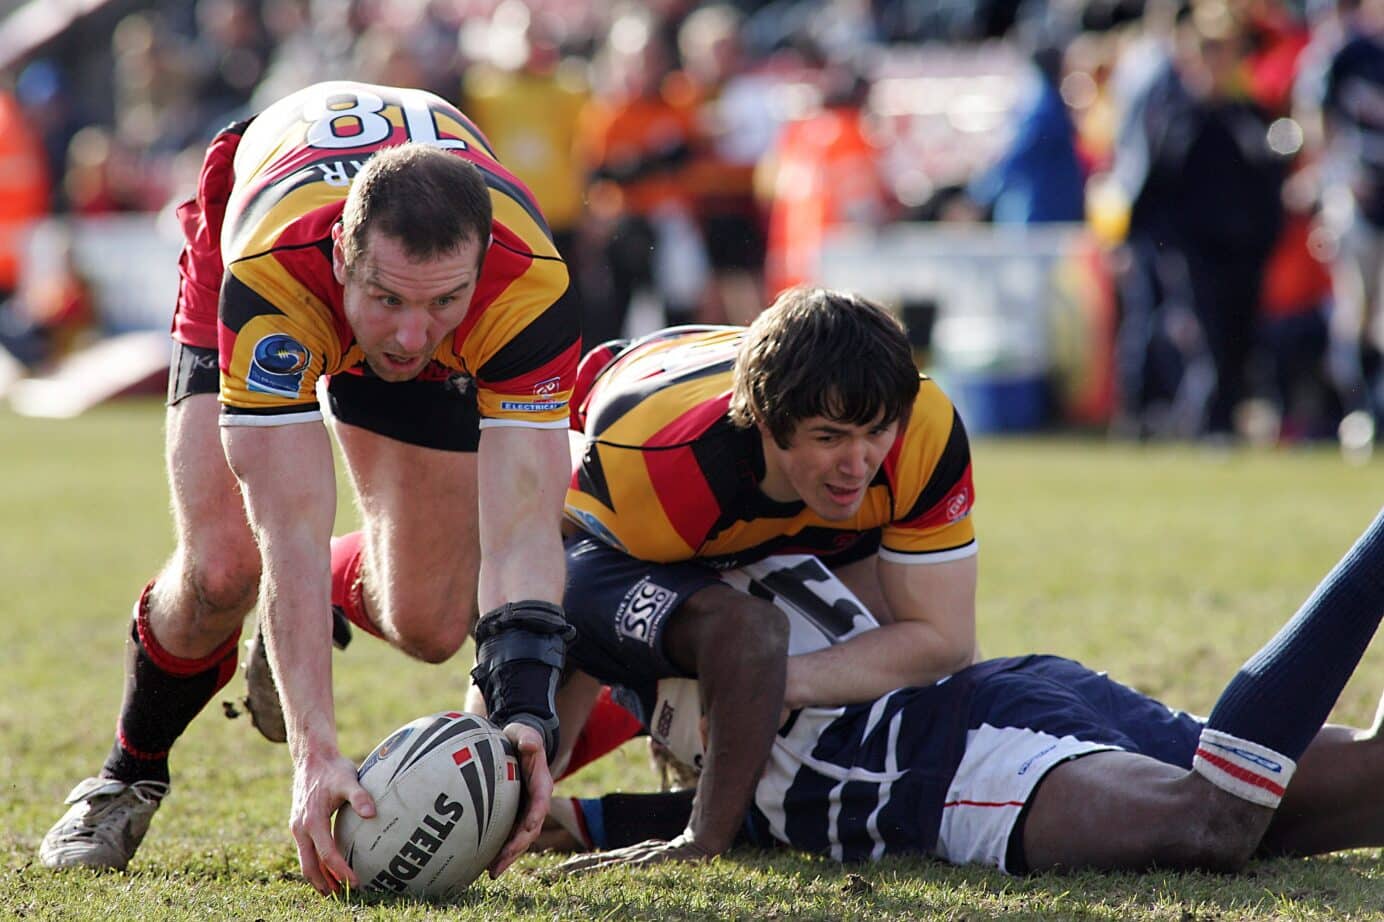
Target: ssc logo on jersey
{"points": [[277, 365], [546, 388], [643, 609]]}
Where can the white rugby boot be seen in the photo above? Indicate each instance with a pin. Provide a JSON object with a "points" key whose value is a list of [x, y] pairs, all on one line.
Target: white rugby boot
{"points": [[106, 823]]}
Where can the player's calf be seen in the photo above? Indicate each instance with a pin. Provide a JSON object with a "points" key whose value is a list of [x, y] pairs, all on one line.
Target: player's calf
{"points": [[1221, 831], [1119, 810]]}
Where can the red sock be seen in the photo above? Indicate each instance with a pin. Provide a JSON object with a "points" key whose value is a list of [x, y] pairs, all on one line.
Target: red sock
{"points": [[605, 730], [348, 592]]}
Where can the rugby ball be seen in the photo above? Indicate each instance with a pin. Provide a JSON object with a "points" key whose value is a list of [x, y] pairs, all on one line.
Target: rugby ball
{"points": [[447, 790]]}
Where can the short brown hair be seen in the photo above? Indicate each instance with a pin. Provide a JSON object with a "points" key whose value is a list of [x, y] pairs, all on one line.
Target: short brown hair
{"points": [[427, 199], [816, 352]]}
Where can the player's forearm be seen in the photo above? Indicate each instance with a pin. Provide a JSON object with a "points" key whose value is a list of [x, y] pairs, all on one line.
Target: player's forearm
{"points": [[291, 510], [522, 480], [294, 607], [871, 664], [744, 692], [528, 566]]}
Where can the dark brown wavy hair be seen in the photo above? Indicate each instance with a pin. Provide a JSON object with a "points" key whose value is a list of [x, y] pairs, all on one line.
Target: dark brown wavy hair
{"points": [[816, 352]]}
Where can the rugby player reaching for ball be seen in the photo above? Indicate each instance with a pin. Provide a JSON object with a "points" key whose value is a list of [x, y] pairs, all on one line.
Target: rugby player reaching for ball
{"points": [[366, 235]]}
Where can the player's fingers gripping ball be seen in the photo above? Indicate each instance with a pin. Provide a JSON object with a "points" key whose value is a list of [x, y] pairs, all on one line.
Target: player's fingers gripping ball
{"points": [[447, 789]]}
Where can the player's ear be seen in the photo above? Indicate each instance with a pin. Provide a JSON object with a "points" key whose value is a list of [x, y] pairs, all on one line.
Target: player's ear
{"points": [[338, 255]]}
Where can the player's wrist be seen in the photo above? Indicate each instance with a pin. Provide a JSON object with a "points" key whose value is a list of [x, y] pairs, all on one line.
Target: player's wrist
{"points": [[697, 847], [794, 690], [520, 651], [313, 748]]}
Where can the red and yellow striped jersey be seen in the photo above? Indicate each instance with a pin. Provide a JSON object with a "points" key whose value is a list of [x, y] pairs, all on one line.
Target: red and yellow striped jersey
{"points": [[281, 323], [666, 477]]}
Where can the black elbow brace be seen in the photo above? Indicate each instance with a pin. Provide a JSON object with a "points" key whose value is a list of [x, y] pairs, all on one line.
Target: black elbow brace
{"points": [[520, 648]]}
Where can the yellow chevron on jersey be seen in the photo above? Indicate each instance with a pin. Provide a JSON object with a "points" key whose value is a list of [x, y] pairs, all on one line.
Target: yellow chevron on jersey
{"points": [[665, 476]]}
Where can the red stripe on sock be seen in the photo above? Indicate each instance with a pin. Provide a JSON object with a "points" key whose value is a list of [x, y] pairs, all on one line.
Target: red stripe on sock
{"points": [[1240, 773], [223, 656], [134, 752], [348, 592]]}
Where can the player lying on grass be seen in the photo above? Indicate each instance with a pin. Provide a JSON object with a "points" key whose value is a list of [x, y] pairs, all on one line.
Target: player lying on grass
{"points": [[367, 235], [1025, 763]]}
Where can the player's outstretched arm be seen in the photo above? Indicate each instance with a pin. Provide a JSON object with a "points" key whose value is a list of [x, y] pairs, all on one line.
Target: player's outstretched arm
{"points": [[737, 646], [286, 477], [933, 634], [522, 478]]}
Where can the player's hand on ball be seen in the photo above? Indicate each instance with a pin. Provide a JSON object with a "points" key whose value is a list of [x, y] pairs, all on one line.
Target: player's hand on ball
{"points": [[538, 794], [651, 851], [320, 786]]}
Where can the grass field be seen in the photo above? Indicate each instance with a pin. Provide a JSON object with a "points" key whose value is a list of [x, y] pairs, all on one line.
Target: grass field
{"points": [[1164, 566]]}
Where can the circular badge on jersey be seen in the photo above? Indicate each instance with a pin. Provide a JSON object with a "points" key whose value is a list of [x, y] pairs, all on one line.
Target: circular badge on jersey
{"points": [[281, 354]]}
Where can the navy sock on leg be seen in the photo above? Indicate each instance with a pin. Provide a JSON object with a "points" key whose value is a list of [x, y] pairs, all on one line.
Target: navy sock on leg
{"points": [[1278, 701]]}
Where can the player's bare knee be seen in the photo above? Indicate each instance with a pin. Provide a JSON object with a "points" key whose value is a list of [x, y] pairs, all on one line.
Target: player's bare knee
{"points": [[224, 584], [765, 631], [434, 639], [747, 627]]}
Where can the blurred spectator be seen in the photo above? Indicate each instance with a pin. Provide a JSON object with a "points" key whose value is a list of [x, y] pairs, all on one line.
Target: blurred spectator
{"points": [[311, 41], [44, 96], [1278, 35], [383, 56], [1342, 95], [822, 174], [737, 126], [635, 142], [156, 110], [1086, 91], [1293, 325], [528, 104], [24, 186], [1037, 179], [52, 314], [104, 177], [1204, 188], [231, 54]]}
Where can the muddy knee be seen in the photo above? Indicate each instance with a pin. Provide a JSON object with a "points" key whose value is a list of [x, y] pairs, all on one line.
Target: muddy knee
{"points": [[1221, 832]]}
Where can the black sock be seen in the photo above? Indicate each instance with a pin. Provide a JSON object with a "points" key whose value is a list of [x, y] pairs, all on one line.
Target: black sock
{"points": [[617, 820], [162, 695]]}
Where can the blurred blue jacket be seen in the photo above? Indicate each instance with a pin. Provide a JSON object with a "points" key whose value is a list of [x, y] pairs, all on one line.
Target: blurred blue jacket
{"points": [[1038, 179]]}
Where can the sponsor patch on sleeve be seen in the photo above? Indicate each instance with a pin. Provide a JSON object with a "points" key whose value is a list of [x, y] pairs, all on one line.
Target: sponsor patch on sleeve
{"points": [[277, 366]]}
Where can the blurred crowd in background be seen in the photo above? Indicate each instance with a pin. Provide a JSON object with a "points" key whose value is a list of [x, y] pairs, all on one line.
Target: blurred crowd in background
{"points": [[693, 159]]}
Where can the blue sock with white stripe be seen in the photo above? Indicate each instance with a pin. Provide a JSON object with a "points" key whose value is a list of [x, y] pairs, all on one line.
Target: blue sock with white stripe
{"points": [[1273, 708]]}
